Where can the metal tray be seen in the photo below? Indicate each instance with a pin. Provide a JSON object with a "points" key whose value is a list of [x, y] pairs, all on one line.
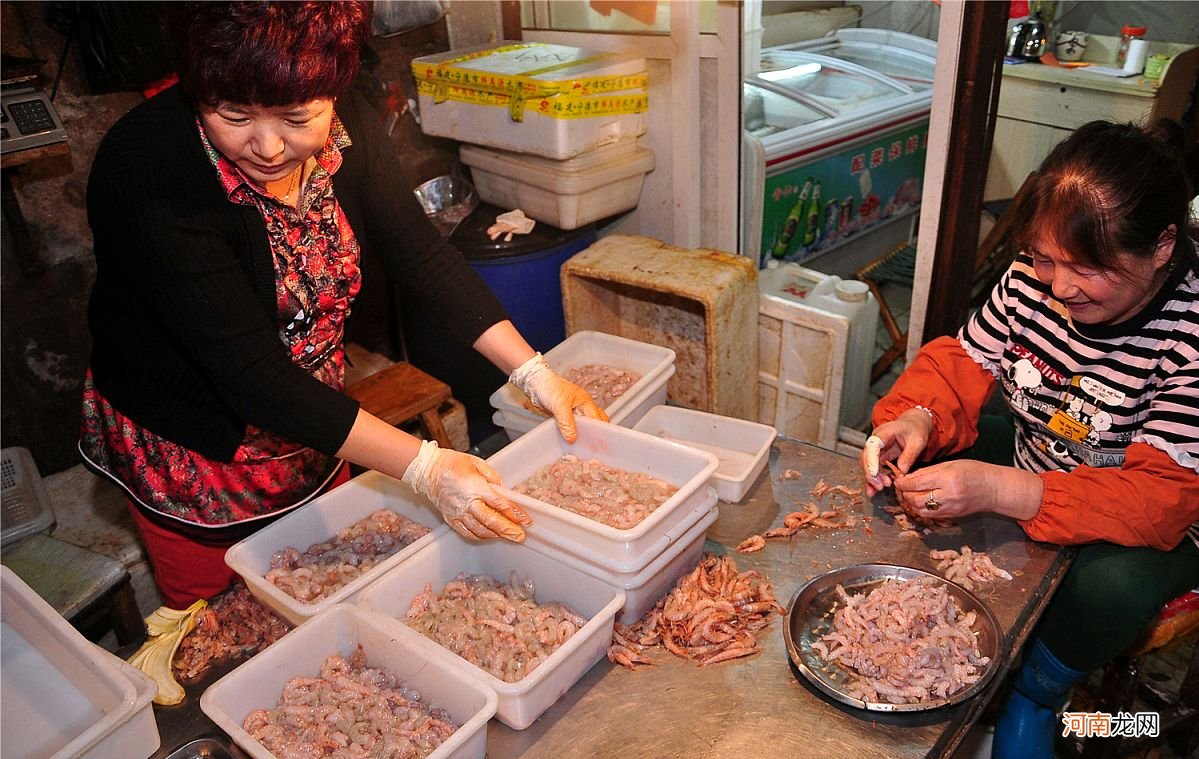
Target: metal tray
{"points": [[809, 616], [206, 748]]}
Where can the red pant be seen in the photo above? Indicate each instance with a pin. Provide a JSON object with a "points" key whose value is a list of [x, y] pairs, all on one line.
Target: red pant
{"points": [[188, 564]]}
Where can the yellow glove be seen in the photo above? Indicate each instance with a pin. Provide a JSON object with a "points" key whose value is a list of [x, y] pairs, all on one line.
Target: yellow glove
{"points": [[460, 486], [555, 394]]}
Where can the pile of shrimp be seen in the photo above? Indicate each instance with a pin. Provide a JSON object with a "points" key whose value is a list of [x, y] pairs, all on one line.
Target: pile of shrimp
{"points": [[710, 616], [602, 382], [234, 624], [499, 628], [597, 491], [350, 710], [325, 567], [903, 642], [835, 516], [968, 567]]}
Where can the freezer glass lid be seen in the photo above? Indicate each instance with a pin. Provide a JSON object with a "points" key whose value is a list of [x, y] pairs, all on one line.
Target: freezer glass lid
{"points": [[768, 112], [913, 70], [819, 78]]}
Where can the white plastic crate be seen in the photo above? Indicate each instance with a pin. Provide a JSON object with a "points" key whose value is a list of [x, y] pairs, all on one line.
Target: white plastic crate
{"points": [[643, 587], [317, 522], [740, 447], [550, 100], [565, 194], [64, 697], [258, 683], [25, 505], [626, 550], [654, 363], [522, 702]]}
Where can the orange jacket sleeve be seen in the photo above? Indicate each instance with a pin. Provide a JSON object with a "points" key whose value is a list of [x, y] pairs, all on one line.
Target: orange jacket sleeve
{"points": [[946, 380], [1150, 501]]}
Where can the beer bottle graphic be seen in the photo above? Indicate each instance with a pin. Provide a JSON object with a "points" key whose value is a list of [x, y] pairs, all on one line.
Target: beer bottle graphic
{"points": [[791, 223], [812, 217]]}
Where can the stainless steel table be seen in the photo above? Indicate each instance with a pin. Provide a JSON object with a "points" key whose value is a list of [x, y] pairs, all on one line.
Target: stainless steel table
{"points": [[762, 704]]}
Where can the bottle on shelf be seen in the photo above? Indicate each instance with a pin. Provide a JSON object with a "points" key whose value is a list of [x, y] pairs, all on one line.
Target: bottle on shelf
{"points": [[1128, 33]]}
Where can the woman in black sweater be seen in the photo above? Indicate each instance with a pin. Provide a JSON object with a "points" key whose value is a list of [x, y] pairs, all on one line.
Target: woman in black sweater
{"points": [[230, 215]]}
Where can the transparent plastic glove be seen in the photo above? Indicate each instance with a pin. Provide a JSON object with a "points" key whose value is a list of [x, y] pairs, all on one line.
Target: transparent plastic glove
{"points": [[555, 394], [460, 486]]}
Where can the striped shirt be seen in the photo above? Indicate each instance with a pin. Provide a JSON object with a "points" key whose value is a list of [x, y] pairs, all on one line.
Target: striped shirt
{"points": [[1080, 394]]}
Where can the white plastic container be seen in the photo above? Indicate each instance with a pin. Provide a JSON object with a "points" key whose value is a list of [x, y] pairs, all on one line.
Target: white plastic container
{"points": [[627, 550], [64, 697], [805, 293], [566, 194], [643, 587], [320, 520], [258, 683], [521, 702], [550, 100], [740, 447], [654, 363]]}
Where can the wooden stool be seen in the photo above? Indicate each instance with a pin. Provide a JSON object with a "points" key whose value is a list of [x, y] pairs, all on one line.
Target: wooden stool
{"points": [[401, 393], [1178, 624], [83, 586]]}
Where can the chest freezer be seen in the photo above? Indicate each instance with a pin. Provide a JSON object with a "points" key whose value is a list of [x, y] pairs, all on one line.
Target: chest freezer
{"points": [[834, 141]]}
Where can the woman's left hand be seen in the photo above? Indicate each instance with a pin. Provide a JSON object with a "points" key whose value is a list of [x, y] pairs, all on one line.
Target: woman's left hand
{"points": [[557, 395], [953, 489]]}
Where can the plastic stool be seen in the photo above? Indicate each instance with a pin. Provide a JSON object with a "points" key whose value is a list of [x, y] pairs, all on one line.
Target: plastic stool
{"points": [[83, 586]]}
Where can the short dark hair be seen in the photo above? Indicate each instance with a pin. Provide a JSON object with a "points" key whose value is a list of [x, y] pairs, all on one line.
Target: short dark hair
{"points": [[267, 53], [1113, 188]]}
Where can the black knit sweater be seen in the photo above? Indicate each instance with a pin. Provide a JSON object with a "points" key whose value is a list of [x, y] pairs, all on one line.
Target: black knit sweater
{"points": [[183, 314]]}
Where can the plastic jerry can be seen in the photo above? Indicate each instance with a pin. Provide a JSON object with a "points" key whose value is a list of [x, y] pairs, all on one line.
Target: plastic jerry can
{"points": [[829, 294]]}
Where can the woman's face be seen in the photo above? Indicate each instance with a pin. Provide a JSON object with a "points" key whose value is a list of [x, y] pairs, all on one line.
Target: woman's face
{"points": [[268, 142], [1098, 296]]}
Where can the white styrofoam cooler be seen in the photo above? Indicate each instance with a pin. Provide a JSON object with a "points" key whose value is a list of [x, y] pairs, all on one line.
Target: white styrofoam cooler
{"points": [[565, 194], [521, 702], [551, 100], [741, 447], [64, 697], [643, 587], [318, 521], [686, 468], [654, 363], [259, 682]]}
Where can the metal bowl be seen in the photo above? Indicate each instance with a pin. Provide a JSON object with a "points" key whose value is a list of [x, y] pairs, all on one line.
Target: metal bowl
{"points": [[810, 616], [447, 200]]}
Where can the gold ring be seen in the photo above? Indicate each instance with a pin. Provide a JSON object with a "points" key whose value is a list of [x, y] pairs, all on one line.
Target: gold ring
{"points": [[932, 504]]}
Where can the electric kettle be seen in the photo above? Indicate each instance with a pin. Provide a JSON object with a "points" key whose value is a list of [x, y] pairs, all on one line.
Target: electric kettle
{"points": [[1029, 39]]}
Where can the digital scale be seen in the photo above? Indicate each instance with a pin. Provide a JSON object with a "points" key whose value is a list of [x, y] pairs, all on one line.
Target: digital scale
{"points": [[28, 119]]}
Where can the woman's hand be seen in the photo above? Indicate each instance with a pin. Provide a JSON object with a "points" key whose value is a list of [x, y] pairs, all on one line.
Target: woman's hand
{"points": [[901, 440], [955, 489], [461, 487], [557, 395]]}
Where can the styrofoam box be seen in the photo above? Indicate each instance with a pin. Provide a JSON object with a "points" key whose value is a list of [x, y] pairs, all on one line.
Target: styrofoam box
{"points": [[521, 702], [259, 682], [488, 121], [643, 588], [626, 550], [584, 347], [565, 194], [63, 696], [740, 447], [319, 521]]}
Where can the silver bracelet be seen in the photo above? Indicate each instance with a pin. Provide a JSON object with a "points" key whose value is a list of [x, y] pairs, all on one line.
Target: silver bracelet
{"points": [[932, 417]]}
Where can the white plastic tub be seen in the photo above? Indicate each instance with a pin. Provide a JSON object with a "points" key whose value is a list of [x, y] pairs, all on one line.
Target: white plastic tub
{"points": [[528, 97], [627, 550], [654, 363], [318, 521], [522, 702], [643, 587], [740, 447], [565, 194], [64, 697], [259, 682]]}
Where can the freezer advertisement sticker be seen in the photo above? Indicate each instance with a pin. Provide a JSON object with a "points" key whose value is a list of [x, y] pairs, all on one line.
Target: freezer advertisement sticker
{"points": [[811, 208]]}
